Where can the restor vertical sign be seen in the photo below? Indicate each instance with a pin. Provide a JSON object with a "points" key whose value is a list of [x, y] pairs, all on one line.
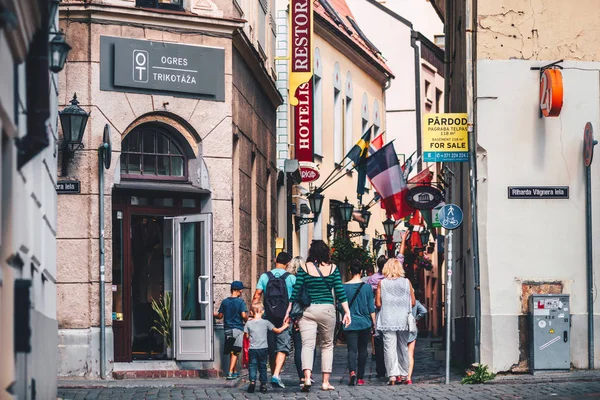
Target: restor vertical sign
{"points": [[303, 122], [300, 60]]}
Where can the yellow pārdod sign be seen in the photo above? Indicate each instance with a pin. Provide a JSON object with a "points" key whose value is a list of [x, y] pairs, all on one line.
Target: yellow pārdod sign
{"points": [[445, 138]]}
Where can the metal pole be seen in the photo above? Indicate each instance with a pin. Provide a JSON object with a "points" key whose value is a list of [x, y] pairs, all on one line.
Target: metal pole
{"points": [[414, 36], [101, 150], [589, 267], [448, 306], [290, 228], [473, 172]]}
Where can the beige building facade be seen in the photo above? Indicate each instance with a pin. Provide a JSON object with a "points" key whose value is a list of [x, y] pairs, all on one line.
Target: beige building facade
{"points": [[349, 82], [28, 274], [189, 200], [518, 255]]}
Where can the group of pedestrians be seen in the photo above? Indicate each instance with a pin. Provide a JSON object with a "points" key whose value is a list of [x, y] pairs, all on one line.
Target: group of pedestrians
{"points": [[297, 301]]}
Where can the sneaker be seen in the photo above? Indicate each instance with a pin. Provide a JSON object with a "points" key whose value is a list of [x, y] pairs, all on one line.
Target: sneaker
{"points": [[360, 382], [263, 388], [352, 381], [251, 387], [276, 382], [232, 375]]}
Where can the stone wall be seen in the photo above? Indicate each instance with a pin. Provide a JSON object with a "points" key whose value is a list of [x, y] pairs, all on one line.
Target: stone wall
{"points": [[254, 121]]}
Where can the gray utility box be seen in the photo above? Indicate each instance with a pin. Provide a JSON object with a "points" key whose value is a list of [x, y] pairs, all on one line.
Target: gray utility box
{"points": [[550, 335]]}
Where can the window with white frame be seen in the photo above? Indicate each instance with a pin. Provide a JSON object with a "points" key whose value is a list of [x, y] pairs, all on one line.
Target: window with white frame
{"points": [[317, 103], [348, 120], [364, 112], [338, 144], [376, 119]]}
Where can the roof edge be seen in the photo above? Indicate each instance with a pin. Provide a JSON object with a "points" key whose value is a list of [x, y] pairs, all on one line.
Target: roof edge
{"points": [[391, 13], [360, 51]]}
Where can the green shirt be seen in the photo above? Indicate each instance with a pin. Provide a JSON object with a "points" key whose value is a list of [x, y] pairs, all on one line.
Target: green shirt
{"points": [[318, 290]]}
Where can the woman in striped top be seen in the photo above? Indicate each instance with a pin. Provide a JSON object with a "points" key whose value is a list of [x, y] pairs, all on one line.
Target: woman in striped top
{"points": [[320, 316]]}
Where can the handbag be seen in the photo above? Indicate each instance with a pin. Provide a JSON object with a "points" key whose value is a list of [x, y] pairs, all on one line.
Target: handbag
{"points": [[245, 351], [412, 323], [303, 301]]}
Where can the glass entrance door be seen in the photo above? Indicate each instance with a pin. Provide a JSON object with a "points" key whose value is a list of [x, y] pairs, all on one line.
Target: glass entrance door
{"points": [[192, 264]]}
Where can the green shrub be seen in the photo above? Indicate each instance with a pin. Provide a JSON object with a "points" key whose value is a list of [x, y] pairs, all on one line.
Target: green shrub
{"points": [[478, 373]]}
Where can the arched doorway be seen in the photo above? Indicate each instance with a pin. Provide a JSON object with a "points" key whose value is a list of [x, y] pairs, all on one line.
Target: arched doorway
{"points": [[161, 250]]}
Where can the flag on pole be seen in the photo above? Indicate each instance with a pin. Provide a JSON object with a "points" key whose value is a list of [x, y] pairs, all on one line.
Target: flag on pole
{"points": [[410, 164], [383, 169], [361, 166], [360, 149], [376, 144]]}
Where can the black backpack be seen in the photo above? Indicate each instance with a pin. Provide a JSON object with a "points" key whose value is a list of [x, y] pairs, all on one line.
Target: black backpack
{"points": [[276, 296]]}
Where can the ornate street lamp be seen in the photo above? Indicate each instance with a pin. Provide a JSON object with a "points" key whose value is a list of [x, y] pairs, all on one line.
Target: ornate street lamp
{"points": [[316, 202], [389, 226], [73, 120], [424, 234], [59, 50], [346, 210], [366, 214]]}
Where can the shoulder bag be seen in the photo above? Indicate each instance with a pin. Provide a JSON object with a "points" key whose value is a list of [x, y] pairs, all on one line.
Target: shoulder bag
{"points": [[302, 301], [412, 322]]}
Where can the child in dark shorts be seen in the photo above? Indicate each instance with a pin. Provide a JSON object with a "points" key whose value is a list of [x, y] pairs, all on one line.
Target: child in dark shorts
{"points": [[234, 313], [258, 354]]}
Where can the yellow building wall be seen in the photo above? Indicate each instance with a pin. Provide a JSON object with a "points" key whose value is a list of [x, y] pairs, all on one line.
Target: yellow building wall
{"points": [[346, 187]]}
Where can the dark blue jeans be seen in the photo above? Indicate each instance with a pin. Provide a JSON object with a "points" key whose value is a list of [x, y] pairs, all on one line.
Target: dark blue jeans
{"points": [[357, 349], [258, 361]]}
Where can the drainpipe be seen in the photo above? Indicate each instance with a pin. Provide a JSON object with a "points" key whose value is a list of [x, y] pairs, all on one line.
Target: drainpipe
{"points": [[469, 38], [101, 151], [414, 36]]}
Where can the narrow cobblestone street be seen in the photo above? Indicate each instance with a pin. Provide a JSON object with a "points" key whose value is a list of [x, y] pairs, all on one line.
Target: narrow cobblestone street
{"points": [[428, 378]]}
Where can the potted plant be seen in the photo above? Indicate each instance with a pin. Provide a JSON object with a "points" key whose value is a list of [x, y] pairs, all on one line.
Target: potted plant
{"points": [[345, 250], [163, 324]]}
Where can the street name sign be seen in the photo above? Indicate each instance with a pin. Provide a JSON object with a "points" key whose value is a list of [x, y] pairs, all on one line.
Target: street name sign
{"points": [[68, 187], [538, 192]]}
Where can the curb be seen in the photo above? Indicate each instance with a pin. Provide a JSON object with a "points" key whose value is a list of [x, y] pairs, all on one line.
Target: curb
{"points": [[532, 380]]}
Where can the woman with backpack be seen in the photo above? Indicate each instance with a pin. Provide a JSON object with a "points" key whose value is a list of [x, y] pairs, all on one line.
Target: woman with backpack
{"points": [[358, 333], [320, 279]]}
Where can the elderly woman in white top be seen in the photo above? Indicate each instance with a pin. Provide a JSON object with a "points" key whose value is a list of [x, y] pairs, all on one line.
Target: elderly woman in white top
{"points": [[395, 297]]}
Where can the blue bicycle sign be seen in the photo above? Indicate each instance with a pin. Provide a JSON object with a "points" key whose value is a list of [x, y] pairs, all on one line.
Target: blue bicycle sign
{"points": [[450, 216]]}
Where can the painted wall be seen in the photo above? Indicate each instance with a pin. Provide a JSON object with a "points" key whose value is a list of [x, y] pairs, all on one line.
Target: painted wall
{"points": [[421, 13], [28, 215], [538, 30], [533, 240], [400, 56]]}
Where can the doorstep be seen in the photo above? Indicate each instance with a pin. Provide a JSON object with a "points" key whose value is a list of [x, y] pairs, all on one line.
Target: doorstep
{"points": [[158, 370]]}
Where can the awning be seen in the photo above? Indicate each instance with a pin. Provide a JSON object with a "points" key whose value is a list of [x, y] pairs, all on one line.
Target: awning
{"points": [[161, 187]]}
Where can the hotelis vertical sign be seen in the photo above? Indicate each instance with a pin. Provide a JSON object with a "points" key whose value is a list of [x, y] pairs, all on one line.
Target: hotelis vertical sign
{"points": [[301, 67]]}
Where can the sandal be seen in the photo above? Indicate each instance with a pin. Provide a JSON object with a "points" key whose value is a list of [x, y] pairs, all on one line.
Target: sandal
{"points": [[326, 387], [408, 382], [391, 382], [305, 388]]}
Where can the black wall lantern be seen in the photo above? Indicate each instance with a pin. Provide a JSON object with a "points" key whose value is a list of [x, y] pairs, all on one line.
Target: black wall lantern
{"points": [[388, 226], [424, 234], [366, 214], [315, 200], [59, 50], [346, 210], [73, 120]]}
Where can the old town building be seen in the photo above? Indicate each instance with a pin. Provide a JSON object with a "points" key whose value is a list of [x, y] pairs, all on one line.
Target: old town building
{"points": [[527, 244], [28, 146], [187, 91], [349, 81]]}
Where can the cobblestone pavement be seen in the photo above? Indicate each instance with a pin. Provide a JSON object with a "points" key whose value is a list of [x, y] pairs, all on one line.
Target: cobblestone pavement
{"points": [[428, 377]]}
